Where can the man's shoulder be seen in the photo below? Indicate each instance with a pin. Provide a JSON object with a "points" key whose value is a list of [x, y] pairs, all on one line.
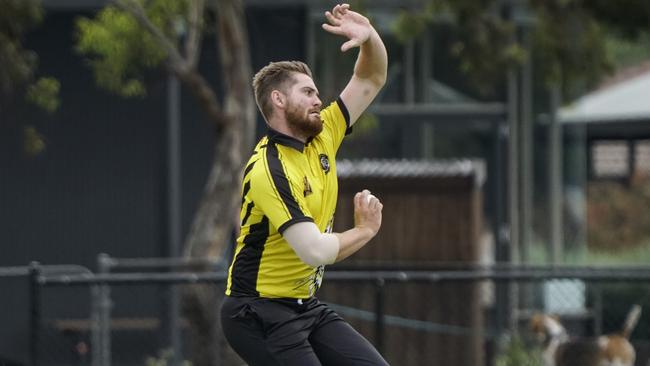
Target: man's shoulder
{"points": [[333, 110]]}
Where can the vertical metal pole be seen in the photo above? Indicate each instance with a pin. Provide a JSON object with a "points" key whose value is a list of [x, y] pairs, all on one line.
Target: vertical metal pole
{"points": [[426, 63], [35, 313], [513, 198], [105, 312], [598, 310], [497, 195], [409, 72], [499, 178], [527, 164], [526, 148], [513, 165], [424, 92], [96, 335], [379, 314], [555, 178], [174, 206]]}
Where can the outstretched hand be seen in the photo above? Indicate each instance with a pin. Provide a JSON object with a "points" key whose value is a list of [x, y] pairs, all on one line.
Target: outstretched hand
{"points": [[347, 23]]}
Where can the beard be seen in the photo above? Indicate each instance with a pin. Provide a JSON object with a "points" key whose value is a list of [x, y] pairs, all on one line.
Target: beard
{"points": [[302, 123]]}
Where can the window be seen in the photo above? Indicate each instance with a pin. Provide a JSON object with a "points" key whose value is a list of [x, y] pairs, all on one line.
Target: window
{"points": [[610, 159]]}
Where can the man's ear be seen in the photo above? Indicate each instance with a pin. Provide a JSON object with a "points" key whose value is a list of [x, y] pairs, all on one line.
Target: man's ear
{"points": [[278, 99]]}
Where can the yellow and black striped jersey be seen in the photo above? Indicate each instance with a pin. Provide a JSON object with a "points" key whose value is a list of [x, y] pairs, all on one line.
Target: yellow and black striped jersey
{"points": [[286, 181]]}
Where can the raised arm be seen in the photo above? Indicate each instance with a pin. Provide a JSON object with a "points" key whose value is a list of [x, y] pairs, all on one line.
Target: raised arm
{"points": [[372, 63]]}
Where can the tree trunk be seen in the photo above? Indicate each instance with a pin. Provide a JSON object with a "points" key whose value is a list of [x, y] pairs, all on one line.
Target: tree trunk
{"points": [[215, 219], [211, 231]]}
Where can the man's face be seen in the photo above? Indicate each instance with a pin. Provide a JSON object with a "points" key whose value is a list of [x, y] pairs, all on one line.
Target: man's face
{"points": [[303, 107]]}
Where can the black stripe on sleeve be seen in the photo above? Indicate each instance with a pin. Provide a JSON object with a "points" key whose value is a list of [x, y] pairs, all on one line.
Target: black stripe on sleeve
{"points": [[247, 187], [346, 115], [249, 208], [249, 168], [281, 183]]}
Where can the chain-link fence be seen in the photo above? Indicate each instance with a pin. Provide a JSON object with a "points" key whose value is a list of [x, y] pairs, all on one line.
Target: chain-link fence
{"points": [[451, 315]]}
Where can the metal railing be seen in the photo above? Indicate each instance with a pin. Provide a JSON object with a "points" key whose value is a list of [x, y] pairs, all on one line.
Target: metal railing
{"points": [[44, 276]]}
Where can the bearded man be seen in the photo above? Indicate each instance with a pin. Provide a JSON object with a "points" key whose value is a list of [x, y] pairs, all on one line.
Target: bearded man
{"points": [[270, 315]]}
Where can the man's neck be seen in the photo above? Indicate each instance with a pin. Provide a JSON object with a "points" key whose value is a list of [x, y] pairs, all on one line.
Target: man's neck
{"points": [[283, 128]]}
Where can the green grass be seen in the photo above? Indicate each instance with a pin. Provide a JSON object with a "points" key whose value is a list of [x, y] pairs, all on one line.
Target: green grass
{"points": [[639, 255]]}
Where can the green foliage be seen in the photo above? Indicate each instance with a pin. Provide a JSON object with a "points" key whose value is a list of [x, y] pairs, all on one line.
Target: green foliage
{"points": [[18, 64], [121, 50], [617, 215], [19, 16], [625, 52], [628, 17], [33, 141], [515, 353], [570, 43], [366, 124], [568, 36], [18, 67], [409, 26], [44, 93], [483, 42], [16, 18]]}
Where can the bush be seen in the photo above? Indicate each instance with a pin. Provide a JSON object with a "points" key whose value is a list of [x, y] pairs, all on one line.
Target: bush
{"points": [[617, 214], [516, 353]]}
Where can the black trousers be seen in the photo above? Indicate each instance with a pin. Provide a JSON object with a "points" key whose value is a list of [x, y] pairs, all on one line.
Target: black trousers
{"points": [[286, 332]]}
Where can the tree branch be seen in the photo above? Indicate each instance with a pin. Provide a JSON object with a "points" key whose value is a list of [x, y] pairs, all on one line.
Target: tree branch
{"points": [[184, 69], [232, 38], [175, 58], [195, 31], [206, 97]]}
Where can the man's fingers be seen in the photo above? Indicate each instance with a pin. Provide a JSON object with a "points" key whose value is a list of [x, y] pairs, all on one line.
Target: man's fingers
{"points": [[332, 29], [332, 19], [349, 44], [357, 199], [340, 9]]}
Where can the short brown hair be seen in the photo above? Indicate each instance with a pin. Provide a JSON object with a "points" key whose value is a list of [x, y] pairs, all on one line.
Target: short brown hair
{"points": [[274, 76]]}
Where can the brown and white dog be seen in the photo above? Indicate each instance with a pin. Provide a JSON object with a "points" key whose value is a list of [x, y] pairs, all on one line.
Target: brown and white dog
{"points": [[607, 350]]}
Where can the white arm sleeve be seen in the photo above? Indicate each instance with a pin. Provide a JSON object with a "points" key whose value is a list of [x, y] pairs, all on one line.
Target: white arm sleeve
{"points": [[312, 246]]}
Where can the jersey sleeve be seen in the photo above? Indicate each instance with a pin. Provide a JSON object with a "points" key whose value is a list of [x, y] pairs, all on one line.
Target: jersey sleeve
{"points": [[336, 123], [276, 195]]}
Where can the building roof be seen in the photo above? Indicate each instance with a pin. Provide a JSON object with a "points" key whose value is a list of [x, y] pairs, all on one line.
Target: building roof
{"points": [[401, 168], [624, 98]]}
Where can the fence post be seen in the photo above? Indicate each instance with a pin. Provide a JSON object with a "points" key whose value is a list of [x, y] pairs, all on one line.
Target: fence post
{"points": [[104, 305], [96, 340], [379, 314], [35, 312]]}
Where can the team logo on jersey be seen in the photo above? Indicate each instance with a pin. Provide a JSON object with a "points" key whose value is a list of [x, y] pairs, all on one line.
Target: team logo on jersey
{"points": [[325, 163], [307, 191]]}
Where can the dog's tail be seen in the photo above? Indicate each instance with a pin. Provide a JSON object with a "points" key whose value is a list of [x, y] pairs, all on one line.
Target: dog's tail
{"points": [[631, 320]]}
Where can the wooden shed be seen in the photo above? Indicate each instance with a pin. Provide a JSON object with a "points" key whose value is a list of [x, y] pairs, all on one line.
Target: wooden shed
{"points": [[432, 216]]}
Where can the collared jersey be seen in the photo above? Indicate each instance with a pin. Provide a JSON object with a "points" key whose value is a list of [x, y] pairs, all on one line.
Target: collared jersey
{"points": [[285, 182]]}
